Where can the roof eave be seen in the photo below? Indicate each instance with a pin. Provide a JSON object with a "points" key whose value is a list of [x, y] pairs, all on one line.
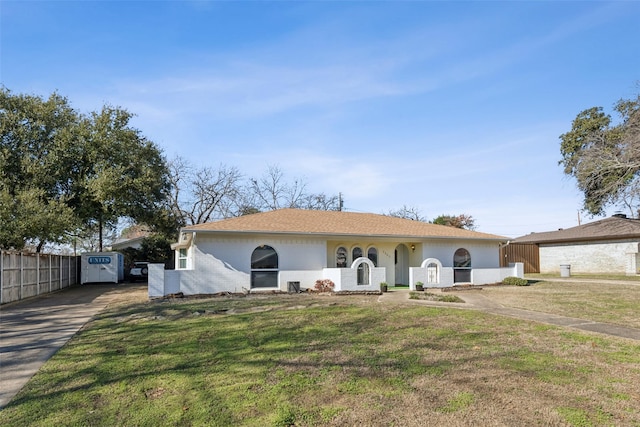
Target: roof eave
{"points": [[581, 239], [347, 235]]}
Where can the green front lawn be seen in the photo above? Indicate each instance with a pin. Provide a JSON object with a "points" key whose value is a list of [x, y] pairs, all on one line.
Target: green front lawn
{"points": [[308, 360]]}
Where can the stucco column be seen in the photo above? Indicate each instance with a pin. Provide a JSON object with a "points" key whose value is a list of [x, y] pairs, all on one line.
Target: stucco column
{"points": [[156, 280], [632, 263]]}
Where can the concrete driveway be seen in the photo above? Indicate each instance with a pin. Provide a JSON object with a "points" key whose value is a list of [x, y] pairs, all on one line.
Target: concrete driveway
{"points": [[31, 331]]}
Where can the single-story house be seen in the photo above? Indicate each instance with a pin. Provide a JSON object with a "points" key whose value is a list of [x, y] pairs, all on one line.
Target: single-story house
{"points": [[121, 244], [610, 245], [131, 238], [289, 249]]}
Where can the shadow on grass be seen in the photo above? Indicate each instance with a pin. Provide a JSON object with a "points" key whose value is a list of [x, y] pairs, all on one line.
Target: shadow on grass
{"points": [[183, 363]]}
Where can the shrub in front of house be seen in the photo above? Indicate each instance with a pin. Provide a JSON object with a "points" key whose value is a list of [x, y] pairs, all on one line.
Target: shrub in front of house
{"points": [[325, 285], [511, 280], [428, 296]]}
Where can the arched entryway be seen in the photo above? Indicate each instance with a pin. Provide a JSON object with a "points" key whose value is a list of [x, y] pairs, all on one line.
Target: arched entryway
{"points": [[402, 265]]}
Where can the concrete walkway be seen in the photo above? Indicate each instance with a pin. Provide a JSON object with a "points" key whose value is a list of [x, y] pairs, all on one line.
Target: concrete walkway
{"points": [[31, 331], [474, 300]]}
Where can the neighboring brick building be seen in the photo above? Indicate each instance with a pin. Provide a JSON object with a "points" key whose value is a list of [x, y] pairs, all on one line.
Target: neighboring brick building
{"points": [[610, 245]]}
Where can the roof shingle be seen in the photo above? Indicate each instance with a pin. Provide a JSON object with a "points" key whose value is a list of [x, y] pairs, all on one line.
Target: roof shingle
{"points": [[300, 221], [613, 228]]}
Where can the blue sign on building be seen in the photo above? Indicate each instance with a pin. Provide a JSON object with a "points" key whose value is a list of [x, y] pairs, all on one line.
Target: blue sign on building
{"points": [[99, 260]]}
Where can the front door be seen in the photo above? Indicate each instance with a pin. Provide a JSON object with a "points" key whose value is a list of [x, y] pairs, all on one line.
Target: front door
{"points": [[402, 265]]}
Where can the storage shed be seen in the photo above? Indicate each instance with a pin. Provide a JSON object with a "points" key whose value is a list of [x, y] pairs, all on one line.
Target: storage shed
{"points": [[101, 267]]}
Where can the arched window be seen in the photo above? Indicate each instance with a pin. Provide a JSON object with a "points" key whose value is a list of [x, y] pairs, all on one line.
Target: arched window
{"points": [[462, 266], [356, 253], [264, 267], [341, 257], [372, 254], [363, 274]]}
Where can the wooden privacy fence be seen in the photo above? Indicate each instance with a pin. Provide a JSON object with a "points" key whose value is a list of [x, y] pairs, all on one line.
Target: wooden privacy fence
{"points": [[24, 275], [528, 254]]}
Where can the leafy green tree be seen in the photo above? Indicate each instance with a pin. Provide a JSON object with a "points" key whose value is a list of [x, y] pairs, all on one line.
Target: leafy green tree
{"points": [[35, 136], [604, 157], [124, 175], [157, 248], [63, 171]]}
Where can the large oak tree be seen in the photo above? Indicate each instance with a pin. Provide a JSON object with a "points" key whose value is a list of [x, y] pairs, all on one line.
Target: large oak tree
{"points": [[604, 156], [63, 171]]}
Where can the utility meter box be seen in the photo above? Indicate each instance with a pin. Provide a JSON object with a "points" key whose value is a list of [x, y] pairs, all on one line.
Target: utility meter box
{"points": [[101, 267]]}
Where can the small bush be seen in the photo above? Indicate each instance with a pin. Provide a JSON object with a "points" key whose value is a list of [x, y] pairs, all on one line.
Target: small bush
{"points": [[450, 298], [515, 281], [428, 296], [325, 285]]}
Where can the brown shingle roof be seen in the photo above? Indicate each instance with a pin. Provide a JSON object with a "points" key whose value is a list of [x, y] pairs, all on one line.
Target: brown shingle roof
{"points": [[614, 228], [333, 223]]}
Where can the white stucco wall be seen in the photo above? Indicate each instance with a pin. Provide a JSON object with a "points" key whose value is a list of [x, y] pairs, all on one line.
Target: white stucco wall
{"points": [[487, 276], [293, 254], [479, 276], [306, 278], [483, 254], [223, 264], [345, 279], [599, 257]]}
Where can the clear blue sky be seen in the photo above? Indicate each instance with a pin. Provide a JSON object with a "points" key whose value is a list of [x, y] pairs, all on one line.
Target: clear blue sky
{"points": [[450, 107]]}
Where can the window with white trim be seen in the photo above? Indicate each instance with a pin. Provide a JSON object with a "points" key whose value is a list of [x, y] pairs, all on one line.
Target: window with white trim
{"points": [[372, 254], [264, 267], [462, 266], [183, 258], [341, 257]]}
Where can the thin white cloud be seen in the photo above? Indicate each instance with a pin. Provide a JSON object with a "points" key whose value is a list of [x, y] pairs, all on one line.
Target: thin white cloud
{"points": [[274, 79]]}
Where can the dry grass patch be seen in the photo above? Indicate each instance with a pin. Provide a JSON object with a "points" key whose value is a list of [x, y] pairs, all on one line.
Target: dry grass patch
{"points": [[328, 361], [602, 302]]}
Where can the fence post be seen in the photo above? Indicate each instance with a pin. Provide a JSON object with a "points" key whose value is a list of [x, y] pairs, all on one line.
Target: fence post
{"points": [[50, 272], [37, 274], [21, 276], [1, 275]]}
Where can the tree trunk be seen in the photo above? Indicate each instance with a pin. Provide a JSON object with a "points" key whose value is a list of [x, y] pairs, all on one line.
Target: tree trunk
{"points": [[100, 234]]}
